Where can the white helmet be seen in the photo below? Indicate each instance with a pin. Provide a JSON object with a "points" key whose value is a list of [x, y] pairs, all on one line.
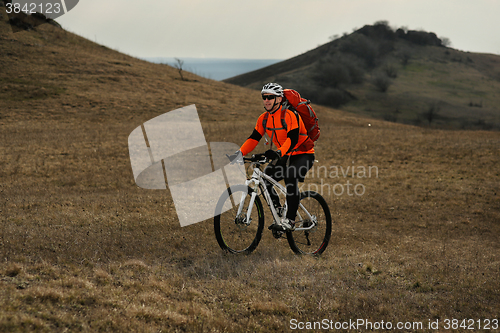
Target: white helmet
{"points": [[272, 88]]}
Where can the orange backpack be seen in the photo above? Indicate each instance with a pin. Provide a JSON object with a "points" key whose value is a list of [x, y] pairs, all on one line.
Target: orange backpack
{"points": [[306, 112]]}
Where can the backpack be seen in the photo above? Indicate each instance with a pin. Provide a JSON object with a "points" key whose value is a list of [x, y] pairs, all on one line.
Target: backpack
{"points": [[306, 112], [295, 103]]}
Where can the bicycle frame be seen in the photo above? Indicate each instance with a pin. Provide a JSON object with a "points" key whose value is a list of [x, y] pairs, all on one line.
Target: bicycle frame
{"points": [[255, 182]]}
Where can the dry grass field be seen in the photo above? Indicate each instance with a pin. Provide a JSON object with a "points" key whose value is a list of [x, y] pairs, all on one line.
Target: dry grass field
{"points": [[83, 249]]}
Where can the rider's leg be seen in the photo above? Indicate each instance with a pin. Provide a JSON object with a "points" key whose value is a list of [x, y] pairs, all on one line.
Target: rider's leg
{"points": [[296, 172], [277, 172]]}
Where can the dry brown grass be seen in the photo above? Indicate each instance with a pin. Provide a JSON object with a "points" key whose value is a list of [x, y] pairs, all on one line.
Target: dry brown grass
{"points": [[84, 249]]}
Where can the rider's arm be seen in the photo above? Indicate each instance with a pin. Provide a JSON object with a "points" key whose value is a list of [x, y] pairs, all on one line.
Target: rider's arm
{"points": [[254, 139], [292, 135]]}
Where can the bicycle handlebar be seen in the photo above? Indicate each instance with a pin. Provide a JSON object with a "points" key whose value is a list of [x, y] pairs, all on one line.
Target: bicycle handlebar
{"points": [[260, 159], [256, 158]]}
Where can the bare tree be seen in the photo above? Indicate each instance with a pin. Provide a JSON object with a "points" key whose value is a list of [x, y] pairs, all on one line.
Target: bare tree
{"points": [[445, 41], [179, 63], [432, 113]]}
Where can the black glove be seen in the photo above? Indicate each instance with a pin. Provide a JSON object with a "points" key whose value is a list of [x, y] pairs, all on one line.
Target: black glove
{"points": [[272, 155]]}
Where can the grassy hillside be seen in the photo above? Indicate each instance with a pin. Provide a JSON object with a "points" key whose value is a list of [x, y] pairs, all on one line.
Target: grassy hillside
{"points": [[400, 76], [84, 249]]}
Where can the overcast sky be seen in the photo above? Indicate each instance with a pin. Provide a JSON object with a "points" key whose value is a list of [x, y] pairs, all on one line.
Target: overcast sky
{"points": [[271, 29]]}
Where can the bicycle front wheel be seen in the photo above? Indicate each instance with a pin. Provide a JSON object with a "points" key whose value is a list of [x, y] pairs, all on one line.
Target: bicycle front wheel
{"points": [[312, 209], [238, 232]]}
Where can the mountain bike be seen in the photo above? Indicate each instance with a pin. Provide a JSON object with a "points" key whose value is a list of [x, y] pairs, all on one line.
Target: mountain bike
{"points": [[239, 215]]}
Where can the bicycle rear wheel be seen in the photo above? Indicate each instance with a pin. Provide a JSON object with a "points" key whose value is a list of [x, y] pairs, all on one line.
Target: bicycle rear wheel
{"points": [[315, 240], [238, 234]]}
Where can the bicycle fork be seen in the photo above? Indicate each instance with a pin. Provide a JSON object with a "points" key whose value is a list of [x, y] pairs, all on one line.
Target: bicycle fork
{"points": [[250, 206]]}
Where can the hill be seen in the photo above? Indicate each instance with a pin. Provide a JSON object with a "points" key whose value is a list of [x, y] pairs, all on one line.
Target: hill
{"points": [[82, 248], [401, 76]]}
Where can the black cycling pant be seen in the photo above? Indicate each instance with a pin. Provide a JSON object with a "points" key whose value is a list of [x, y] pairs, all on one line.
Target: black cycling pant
{"points": [[294, 173]]}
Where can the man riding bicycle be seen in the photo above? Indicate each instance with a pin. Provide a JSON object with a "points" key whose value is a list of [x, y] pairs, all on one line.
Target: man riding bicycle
{"points": [[294, 156]]}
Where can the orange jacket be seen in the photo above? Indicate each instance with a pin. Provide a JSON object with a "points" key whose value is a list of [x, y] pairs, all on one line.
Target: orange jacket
{"points": [[287, 141]]}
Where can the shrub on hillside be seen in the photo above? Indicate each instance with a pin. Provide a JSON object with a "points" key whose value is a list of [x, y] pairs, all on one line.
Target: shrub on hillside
{"points": [[325, 95], [331, 73], [419, 37], [337, 71], [362, 47], [355, 68], [391, 71], [405, 56], [423, 38], [381, 82], [379, 30], [333, 97], [385, 47]]}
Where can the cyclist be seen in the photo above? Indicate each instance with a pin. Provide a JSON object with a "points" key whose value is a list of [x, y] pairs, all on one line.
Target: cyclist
{"points": [[295, 153]]}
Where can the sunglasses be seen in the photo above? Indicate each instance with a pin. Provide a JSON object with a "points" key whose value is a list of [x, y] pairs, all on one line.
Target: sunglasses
{"points": [[268, 97]]}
